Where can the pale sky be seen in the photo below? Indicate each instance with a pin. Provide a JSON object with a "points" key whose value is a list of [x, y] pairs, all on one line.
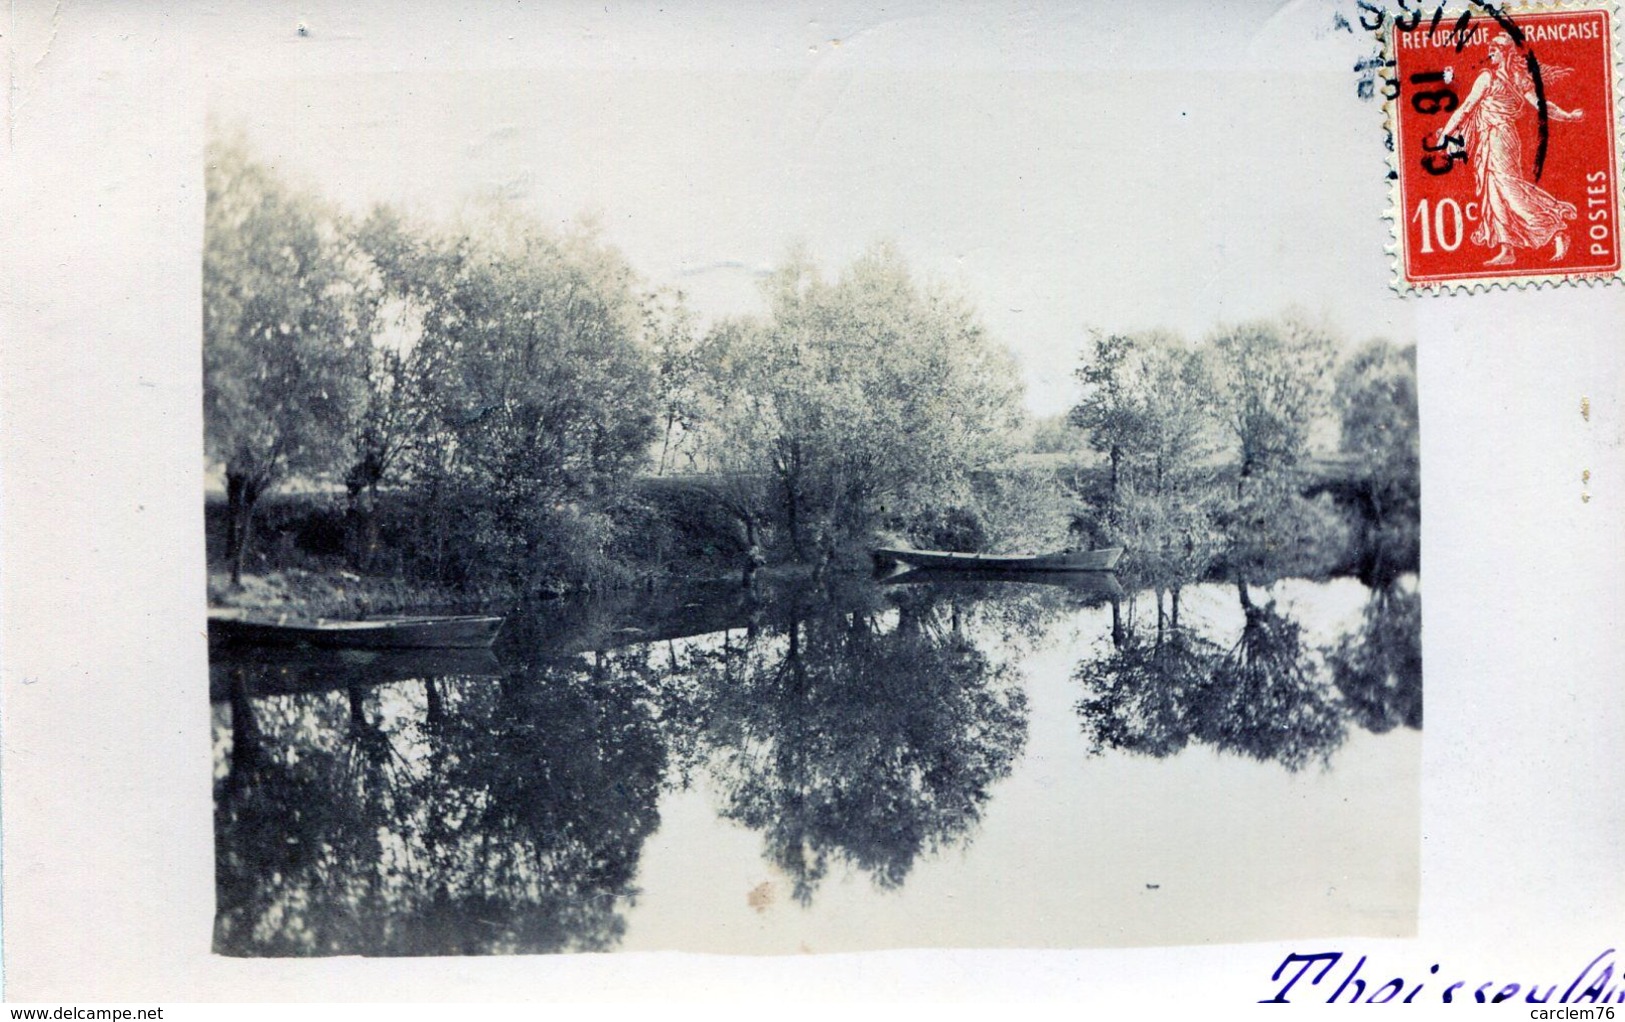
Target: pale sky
{"points": [[1065, 169]]}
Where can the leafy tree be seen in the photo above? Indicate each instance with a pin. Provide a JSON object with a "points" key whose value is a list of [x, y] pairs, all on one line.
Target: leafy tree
{"points": [[405, 366], [1376, 396], [543, 396], [1055, 434], [1176, 443], [1274, 531], [1173, 536], [1144, 408], [673, 342], [734, 426], [1270, 382], [1145, 405], [862, 400], [1014, 508], [1111, 410], [287, 311]]}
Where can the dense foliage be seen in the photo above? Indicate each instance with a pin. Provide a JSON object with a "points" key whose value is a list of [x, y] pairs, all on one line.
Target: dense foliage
{"points": [[864, 402], [502, 386], [505, 402], [287, 312], [1213, 457]]}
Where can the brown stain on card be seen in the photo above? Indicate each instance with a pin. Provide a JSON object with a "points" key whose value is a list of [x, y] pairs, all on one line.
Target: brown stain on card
{"points": [[1585, 474], [761, 896]]}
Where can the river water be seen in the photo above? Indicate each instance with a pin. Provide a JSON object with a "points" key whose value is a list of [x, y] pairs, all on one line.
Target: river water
{"points": [[944, 762]]}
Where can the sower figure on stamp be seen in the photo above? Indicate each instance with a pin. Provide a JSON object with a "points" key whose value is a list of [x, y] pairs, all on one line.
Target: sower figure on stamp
{"points": [[1514, 211]]}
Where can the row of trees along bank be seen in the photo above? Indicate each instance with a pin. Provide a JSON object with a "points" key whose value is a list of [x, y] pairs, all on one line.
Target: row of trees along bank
{"points": [[1211, 450], [507, 402], [494, 394]]}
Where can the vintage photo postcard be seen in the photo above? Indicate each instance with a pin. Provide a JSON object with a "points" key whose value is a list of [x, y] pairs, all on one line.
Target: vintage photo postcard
{"points": [[700, 502]]}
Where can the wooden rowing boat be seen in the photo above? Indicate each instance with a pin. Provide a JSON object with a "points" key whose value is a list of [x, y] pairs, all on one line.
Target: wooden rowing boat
{"points": [[469, 631], [1066, 560]]}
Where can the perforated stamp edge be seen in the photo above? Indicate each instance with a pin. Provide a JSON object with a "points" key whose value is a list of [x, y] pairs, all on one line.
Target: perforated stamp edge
{"points": [[1490, 280]]}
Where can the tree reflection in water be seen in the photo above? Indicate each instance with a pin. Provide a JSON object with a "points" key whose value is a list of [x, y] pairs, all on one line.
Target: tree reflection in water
{"points": [[1142, 697], [1379, 667], [404, 807], [500, 816], [864, 736], [274, 827], [1269, 695], [1266, 698]]}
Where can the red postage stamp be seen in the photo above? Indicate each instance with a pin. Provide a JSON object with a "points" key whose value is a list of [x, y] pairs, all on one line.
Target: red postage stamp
{"points": [[1506, 147]]}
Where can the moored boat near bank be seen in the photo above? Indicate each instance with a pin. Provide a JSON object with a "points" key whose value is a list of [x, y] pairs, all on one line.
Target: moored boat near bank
{"points": [[1104, 559], [468, 631]]}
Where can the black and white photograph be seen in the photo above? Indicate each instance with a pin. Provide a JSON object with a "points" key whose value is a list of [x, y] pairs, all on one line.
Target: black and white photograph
{"points": [[719, 588], [783, 486]]}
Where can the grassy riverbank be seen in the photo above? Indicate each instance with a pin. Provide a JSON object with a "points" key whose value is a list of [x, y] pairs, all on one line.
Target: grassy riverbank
{"points": [[338, 593], [304, 562]]}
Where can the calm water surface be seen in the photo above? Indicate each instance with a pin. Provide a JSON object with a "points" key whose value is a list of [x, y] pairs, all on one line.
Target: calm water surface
{"points": [[970, 763]]}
